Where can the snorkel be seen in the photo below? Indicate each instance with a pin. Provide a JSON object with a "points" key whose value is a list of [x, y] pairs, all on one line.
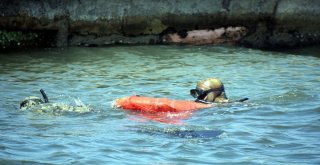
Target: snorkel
{"points": [[45, 98]]}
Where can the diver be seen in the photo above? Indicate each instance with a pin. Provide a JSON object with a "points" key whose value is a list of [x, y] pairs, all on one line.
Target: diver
{"points": [[36, 104], [207, 92], [211, 90]]}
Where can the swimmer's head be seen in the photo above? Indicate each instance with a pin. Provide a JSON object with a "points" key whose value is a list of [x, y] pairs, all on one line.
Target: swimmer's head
{"points": [[30, 101], [209, 90]]}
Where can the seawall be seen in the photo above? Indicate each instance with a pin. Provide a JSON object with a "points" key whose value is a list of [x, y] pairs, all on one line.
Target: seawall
{"points": [[271, 23]]}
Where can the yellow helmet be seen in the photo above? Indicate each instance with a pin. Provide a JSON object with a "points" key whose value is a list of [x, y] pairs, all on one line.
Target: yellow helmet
{"points": [[209, 90]]}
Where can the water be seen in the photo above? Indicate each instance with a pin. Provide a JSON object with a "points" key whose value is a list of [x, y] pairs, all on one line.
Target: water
{"points": [[280, 124]]}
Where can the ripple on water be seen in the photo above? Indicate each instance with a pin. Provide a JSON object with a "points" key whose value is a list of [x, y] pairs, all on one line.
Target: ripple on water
{"points": [[278, 125]]}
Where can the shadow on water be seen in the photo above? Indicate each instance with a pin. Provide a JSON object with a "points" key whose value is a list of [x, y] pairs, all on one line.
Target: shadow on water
{"points": [[306, 51], [176, 132]]}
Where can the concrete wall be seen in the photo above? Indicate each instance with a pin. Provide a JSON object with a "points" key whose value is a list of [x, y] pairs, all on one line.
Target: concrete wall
{"points": [[271, 23]]}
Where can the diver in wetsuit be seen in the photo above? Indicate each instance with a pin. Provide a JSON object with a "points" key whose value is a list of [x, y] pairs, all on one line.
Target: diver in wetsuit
{"points": [[36, 104]]}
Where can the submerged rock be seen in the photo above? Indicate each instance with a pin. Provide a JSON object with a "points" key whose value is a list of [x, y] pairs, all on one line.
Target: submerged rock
{"points": [[200, 37]]}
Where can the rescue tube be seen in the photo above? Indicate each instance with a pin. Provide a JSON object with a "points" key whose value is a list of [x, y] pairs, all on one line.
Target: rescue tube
{"points": [[151, 104]]}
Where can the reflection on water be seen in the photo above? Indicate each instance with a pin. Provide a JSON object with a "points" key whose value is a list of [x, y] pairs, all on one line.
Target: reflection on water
{"points": [[279, 124]]}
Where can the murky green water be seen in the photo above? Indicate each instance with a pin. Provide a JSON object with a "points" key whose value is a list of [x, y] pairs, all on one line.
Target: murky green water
{"points": [[280, 124]]}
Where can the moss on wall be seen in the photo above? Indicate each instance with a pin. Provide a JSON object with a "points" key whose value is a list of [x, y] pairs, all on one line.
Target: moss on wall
{"points": [[18, 39]]}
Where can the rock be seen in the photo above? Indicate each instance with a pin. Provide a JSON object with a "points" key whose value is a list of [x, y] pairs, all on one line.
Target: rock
{"points": [[200, 37]]}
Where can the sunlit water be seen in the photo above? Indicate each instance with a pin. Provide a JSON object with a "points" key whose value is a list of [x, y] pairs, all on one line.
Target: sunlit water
{"points": [[280, 124]]}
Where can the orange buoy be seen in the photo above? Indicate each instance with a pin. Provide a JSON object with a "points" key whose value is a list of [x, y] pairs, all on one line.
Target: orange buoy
{"points": [[150, 104]]}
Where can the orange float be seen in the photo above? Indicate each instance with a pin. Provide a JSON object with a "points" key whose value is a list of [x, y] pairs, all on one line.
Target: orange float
{"points": [[151, 104]]}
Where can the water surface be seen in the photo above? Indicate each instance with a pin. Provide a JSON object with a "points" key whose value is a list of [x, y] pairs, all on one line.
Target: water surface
{"points": [[280, 124]]}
